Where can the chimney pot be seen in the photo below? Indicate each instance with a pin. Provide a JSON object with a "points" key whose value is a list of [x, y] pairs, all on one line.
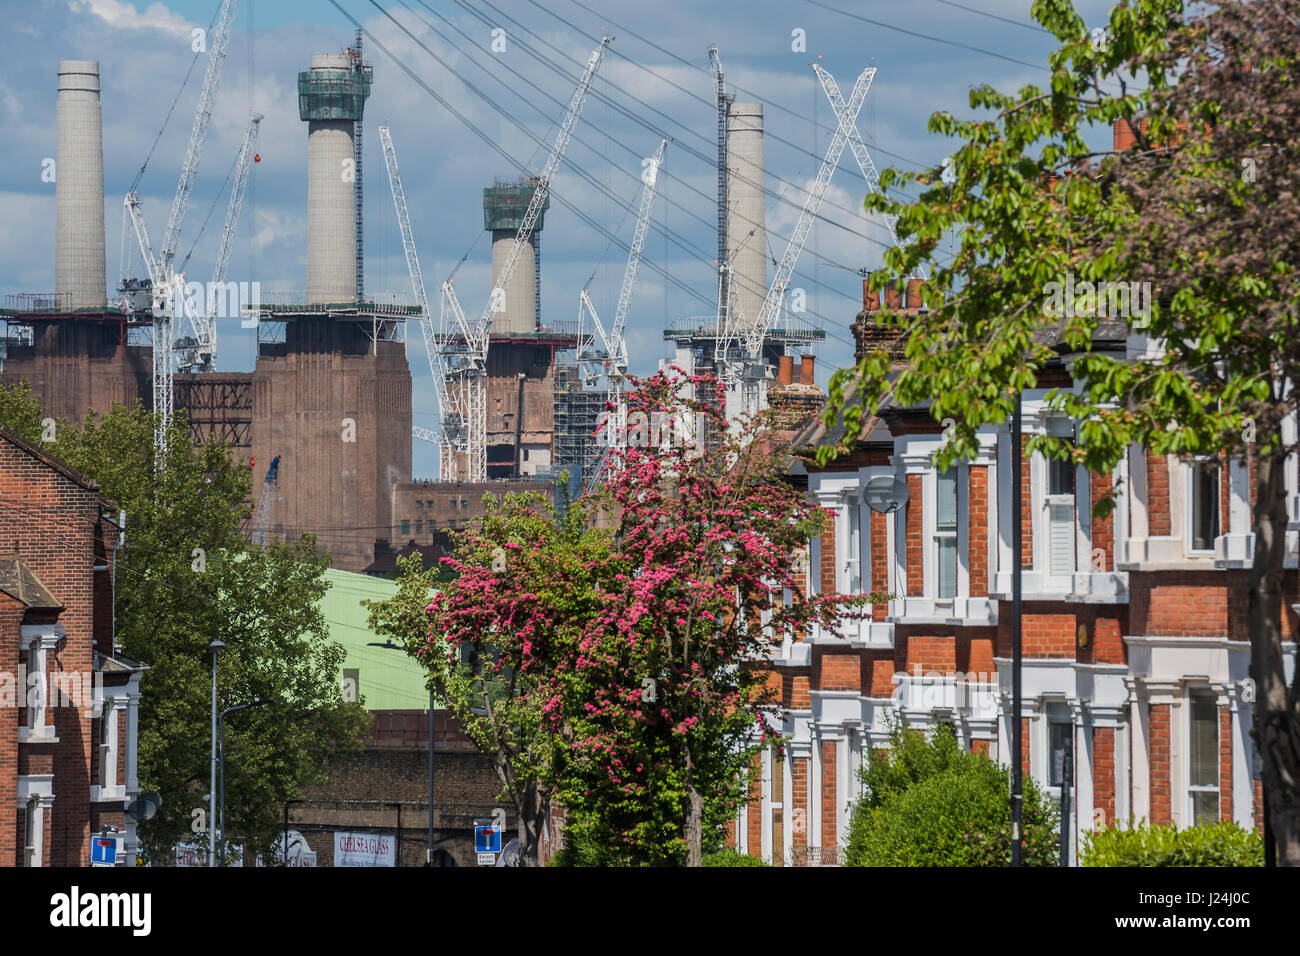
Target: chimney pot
{"points": [[914, 293], [785, 370], [893, 297], [806, 370]]}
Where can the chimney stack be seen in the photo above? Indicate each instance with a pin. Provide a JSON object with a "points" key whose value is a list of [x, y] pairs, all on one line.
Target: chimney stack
{"points": [[79, 263], [785, 370]]}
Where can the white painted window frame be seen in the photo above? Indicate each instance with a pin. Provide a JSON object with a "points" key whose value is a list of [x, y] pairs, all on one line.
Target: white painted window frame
{"points": [[1187, 473]]}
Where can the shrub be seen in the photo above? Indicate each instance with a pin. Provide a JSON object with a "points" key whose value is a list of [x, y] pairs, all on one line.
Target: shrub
{"points": [[1216, 844], [930, 803], [728, 857]]}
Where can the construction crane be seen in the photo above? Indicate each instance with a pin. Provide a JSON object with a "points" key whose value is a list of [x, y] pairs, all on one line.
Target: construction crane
{"points": [[197, 353], [432, 343], [465, 345], [740, 345], [266, 504], [167, 298], [613, 353], [721, 101]]}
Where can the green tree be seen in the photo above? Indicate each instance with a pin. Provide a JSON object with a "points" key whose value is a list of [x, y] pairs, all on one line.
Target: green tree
{"points": [[187, 577], [1215, 235], [927, 802]]}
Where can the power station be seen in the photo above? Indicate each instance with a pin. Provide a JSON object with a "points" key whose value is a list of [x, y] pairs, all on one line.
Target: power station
{"points": [[324, 418]]}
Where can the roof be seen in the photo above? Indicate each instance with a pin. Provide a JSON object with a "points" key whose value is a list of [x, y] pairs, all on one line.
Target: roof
{"points": [[36, 452], [21, 583], [386, 679]]}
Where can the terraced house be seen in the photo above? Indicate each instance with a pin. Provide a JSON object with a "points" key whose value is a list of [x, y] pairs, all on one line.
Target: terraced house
{"points": [[1135, 647]]}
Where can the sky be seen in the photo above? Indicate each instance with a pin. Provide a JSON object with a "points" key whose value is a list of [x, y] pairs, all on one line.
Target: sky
{"points": [[654, 83]]}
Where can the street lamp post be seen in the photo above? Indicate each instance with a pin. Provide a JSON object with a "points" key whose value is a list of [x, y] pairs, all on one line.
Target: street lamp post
{"points": [[1017, 783], [215, 647], [221, 760], [428, 852]]}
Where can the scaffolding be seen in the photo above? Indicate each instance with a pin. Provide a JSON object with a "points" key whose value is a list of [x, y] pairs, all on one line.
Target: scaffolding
{"points": [[578, 413]]}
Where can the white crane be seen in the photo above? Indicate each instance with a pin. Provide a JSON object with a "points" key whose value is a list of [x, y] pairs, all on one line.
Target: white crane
{"points": [[720, 100], [746, 371], [613, 353], [464, 345], [167, 298], [432, 344], [199, 353]]}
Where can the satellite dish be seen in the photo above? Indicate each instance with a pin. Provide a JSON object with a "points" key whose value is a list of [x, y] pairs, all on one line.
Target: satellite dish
{"points": [[144, 806], [884, 493], [509, 854]]}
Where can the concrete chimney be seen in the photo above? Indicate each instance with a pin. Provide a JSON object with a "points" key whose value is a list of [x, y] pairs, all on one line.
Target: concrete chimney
{"points": [[806, 370], [331, 98], [504, 205], [79, 265], [746, 209]]}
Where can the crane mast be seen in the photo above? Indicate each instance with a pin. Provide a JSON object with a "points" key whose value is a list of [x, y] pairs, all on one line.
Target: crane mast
{"points": [[613, 355], [465, 361]]}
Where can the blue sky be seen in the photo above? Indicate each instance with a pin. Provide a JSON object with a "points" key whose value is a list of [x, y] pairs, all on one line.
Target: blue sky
{"points": [[654, 83]]}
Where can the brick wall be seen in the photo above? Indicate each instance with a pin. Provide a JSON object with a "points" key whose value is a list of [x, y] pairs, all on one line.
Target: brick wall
{"points": [[1103, 772], [839, 672], [829, 838], [978, 523], [1103, 529], [827, 564], [880, 559], [915, 545], [1158, 523], [1158, 757], [800, 811]]}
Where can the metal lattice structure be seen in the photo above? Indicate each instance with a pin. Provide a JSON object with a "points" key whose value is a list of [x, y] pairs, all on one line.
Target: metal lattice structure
{"points": [[465, 344]]}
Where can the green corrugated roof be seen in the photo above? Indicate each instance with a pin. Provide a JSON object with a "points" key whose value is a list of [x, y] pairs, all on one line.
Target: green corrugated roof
{"points": [[387, 680]]}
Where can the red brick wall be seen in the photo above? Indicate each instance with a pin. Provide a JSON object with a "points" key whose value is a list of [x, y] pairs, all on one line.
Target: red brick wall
{"points": [[882, 676], [978, 526], [11, 615], [1225, 764], [1158, 751], [1026, 515], [829, 839], [915, 538], [827, 561], [840, 672], [54, 530], [1103, 529], [754, 817], [929, 653], [880, 561], [1103, 772], [797, 815], [1157, 495]]}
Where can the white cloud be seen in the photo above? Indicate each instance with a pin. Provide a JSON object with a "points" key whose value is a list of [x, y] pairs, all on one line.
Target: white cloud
{"points": [[124, 16]]}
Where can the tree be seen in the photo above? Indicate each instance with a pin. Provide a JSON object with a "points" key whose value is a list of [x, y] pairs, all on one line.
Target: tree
{"points": [[1215, 235], [187, 577], [927, 802], [666, 696], [521, 586]]}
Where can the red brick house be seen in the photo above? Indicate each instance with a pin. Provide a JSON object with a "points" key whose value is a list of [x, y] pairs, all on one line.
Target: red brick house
{"points": [[68, 697], [1134, 627]]}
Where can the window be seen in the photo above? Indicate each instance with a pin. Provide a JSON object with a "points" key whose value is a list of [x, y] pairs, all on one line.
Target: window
{"points": [[1060, 735], [1205, 505], [1203, 765], [406, 526], [945, 532], [853, 548], [32, 832], [1060, 515], [108, 744], [419, 526]]}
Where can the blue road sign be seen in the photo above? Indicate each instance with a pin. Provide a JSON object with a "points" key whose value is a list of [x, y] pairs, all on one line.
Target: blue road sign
{"points": [[103, 851], [487, 839]]}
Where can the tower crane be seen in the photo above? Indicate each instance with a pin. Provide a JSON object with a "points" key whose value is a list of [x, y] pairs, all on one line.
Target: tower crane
{"points": [[432, 342], [613, 351], [721, 99], [167, 299], [266, 504], [465, 345], [740, 344], [200, 351]]}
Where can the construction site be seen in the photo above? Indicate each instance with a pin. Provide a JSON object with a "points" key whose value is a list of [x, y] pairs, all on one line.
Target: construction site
{"points": [[324, 419]]}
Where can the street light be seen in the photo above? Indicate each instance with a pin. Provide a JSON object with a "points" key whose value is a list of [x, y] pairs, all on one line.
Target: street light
{"points": [[221, 736], [428, 851], [1017, 782], [214, 647]]}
